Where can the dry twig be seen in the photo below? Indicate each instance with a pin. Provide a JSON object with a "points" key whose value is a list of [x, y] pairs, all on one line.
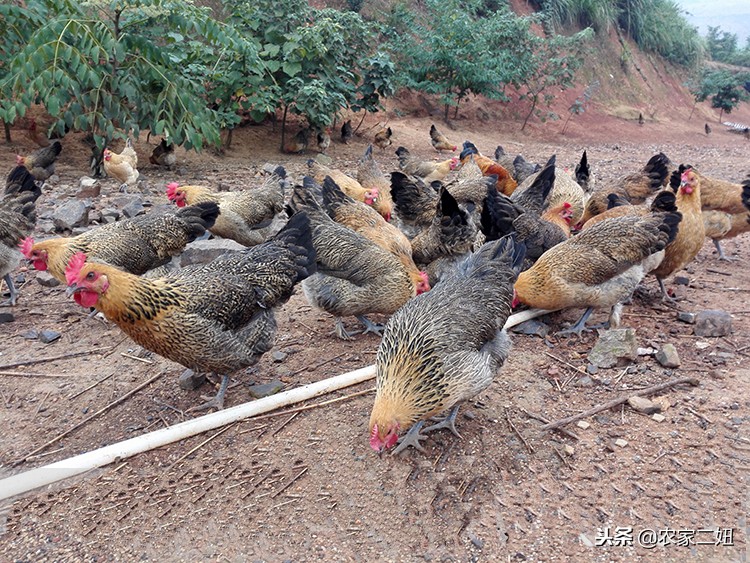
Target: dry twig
{"points": [[615, 402]]}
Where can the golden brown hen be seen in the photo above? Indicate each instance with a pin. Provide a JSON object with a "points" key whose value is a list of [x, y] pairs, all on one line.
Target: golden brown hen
{"points": [[439, 141], [371, 177], [123, 167]]}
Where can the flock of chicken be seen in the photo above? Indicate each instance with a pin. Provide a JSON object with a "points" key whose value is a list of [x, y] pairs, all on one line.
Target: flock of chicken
{"points": [[447, 249]]}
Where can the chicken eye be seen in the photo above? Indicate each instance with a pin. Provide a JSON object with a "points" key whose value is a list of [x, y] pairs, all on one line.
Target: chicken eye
{"points": [[90, 276]]}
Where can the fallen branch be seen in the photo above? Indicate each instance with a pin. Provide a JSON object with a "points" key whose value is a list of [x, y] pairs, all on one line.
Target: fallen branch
{"points": [[21, 374], [81, 392], [54, 358], [624, 399], [88, 419], [513, 427], [563, 362]]}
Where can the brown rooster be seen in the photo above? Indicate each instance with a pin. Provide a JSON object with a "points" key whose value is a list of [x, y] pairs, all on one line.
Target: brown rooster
{"points": [[17, 220], [163, 155], [249, 216], [41, 163], [134, 245], [620, 207], [371, 177], [600, 267], [505, 182], [383, 138], [355, 276], [123, 167], [439, 141], [635, 187], [444, 347], [217, 317]]}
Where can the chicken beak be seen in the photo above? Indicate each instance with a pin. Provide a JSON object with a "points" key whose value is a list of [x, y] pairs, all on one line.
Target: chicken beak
{"points": [[71, 290]]}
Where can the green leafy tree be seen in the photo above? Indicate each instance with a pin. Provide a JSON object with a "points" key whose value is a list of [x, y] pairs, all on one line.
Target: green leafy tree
{"points": [[549, 65], [721, 45], [448, 50], [723, 88], [112, 67], [319, 62]]}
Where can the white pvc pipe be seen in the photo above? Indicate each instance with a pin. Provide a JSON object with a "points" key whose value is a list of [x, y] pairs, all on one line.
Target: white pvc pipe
{"points": [[54, 472]]}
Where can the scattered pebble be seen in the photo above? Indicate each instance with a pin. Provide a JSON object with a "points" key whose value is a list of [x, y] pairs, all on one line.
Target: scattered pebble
{"points": [[668, 356], [686, 317], [6, 318], [658, 417], [701, 345], [49, 336], [265, 389], [583, 424], [681, 280], [45, 279], [31, 334], [641, 404], [614, 347], [570, 450], [620, 442], [279, 356]]}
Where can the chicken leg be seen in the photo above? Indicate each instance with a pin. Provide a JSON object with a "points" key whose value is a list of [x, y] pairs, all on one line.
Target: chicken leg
{"points": [[340, 330], [665, 297], [374, 328], [448, 422], [579, 327], [720, 250], [13, 292], [411, 438], [216, 402]]}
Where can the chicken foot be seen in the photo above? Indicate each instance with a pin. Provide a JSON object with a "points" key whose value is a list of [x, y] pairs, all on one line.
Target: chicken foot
{"points": [[340, 330], [720, 250], [413, 436], [665, 297], [579, 327], [374, 328], [13, 292], [448, 422], [216, 402]]}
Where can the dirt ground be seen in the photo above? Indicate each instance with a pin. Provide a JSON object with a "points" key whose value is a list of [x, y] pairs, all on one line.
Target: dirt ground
{"points": [[307, 487]]}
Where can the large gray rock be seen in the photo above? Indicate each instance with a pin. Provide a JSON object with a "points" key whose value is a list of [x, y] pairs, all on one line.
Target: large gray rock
{"points": [[131, 205], [202, 251], [614, 348], [88, 187], [712, 323], [72, 213], [45, 279]]}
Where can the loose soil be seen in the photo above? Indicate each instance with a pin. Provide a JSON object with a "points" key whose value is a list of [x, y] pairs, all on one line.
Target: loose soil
{"points": [[307, 487]]}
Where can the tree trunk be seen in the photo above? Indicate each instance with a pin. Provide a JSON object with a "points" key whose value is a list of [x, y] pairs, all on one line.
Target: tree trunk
{"points": [[721, 113], [361, 121], [445, 113], [7, 131], [283, 128], [695, 103], [455, 113], [531, 111], [228, 142]]}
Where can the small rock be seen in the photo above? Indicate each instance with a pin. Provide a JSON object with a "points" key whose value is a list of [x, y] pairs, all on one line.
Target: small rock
{"points": [[189, 380], [737, 420], [134, 208], [265, 389], [49, 336], [668, 356], [585, 541], [702, 345], [641, 404], [686, 317], [658, 417], [681, 280], [585, 381], [31, 334], [46, 227], [620, 442], [45, 279], [478, 542], [72, 213], [323, 159], [713, 323], [570, 450], [614, 347], [583, 424], [645, 352], [591, 369], [202, 251], [89, 188], [532, 327], [278, 356], [223, 187], [6, 318]]}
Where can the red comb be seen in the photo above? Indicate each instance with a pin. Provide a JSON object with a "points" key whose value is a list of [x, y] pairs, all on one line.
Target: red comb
{"points": [[566, 205], [75, 264], [171, 189], [26, 246]]}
